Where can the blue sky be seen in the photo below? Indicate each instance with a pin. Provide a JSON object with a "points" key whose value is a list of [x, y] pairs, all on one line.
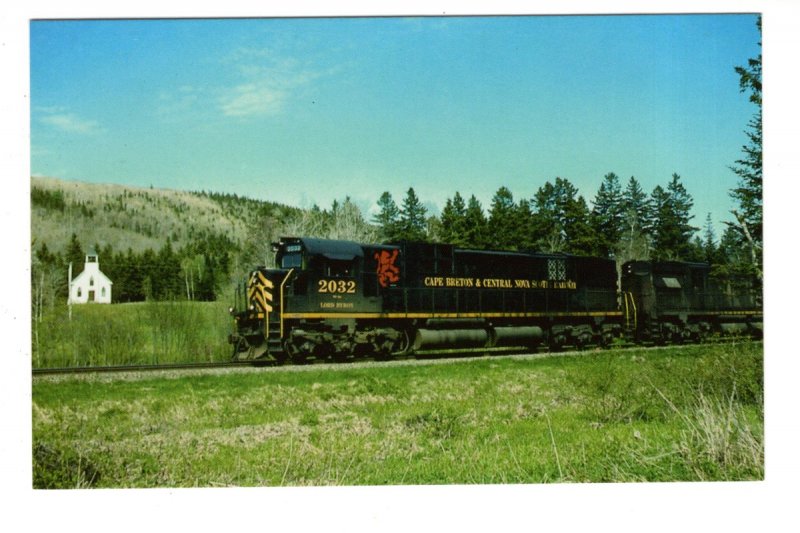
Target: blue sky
{"points": [[303, 111]]}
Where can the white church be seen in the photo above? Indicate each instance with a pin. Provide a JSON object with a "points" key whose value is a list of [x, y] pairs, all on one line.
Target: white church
{"points": [[91, 285]]}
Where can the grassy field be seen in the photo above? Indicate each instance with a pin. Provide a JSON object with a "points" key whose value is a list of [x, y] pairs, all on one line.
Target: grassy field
{"points": [[684, 413], [148, 332]]}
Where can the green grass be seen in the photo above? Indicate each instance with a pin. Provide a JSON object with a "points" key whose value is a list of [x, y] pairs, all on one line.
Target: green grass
{"points": [[689, 413], [118, 334]]}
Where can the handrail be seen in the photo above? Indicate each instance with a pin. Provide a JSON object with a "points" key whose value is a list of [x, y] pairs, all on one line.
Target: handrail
{"points": [[285, 279], [627, 311], [635, 313]]}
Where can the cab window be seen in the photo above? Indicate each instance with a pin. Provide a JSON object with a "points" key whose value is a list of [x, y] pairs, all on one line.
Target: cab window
{"points": [[293, 260]]}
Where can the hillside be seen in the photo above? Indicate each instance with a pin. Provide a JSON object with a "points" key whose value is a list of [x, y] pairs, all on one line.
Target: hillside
{"points": [[137, 218], [159, 244]]}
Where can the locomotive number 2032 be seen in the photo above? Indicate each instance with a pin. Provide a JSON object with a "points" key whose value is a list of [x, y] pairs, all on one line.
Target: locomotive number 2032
{"points": [[336, 286]]}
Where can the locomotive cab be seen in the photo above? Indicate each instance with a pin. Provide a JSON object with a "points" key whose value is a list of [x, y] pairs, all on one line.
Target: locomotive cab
{"points": [[259, 304], [324, 276], [312, 296]]}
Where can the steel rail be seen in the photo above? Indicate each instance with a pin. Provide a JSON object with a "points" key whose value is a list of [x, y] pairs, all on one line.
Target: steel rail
{"points": [[422, 355], [138, 367]]}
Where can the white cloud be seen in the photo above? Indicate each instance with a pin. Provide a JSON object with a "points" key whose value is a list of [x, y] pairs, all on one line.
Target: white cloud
{"points": [[268, 82], [69, 122], [253, 99], [259, 82]]}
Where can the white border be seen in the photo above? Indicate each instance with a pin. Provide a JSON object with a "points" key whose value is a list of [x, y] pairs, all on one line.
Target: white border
{"points": [[618, 507]]}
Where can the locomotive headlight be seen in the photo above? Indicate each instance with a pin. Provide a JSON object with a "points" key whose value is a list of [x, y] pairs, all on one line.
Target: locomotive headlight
{"points": [[252, 307]]}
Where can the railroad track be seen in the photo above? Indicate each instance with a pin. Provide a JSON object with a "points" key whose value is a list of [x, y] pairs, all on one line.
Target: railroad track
{"points": [[138, 368], [430, 354], [422, 355], [425, 355], [238, 364]]}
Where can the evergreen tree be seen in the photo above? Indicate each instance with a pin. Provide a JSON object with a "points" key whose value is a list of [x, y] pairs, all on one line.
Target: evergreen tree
{"points": [[695, 251], [682, 203], [733, 256], [608, 215], [45, 257], [121, 275], [546, 231], [562, 219], [166, 279], [147, 275], [106, 258], [663, 234], [635, 200], [581, 238], [453, 221], [545, 220], [749, 194], [52, 200], [502, 221], [388, 217], [447, 220], [412, 222], [75, 254], [672, 233], [206, 286], [475, 225], [524, 226], [635, 240], [710, 250]]}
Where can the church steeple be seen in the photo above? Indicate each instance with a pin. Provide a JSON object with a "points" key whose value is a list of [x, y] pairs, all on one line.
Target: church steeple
{"points": [[91, 256], [92, 264]]}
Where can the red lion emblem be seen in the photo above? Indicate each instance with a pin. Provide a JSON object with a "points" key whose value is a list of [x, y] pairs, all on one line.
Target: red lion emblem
{"points": [[387, 271]]}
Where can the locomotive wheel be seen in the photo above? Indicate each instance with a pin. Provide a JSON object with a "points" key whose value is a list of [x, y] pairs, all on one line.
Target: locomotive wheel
{"points": [[403, 346], [705, 332], [343, 355], [281, 358], [382, 351], [606, 338], [583, 336], [296, 354]]}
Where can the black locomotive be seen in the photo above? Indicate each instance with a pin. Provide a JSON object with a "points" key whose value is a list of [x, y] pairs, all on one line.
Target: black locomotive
{"points": [[675, 302], [341, 300]]}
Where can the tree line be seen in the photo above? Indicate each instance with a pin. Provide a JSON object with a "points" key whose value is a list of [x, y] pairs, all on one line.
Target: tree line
{"points": [[624, 221], [197, 271]]}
